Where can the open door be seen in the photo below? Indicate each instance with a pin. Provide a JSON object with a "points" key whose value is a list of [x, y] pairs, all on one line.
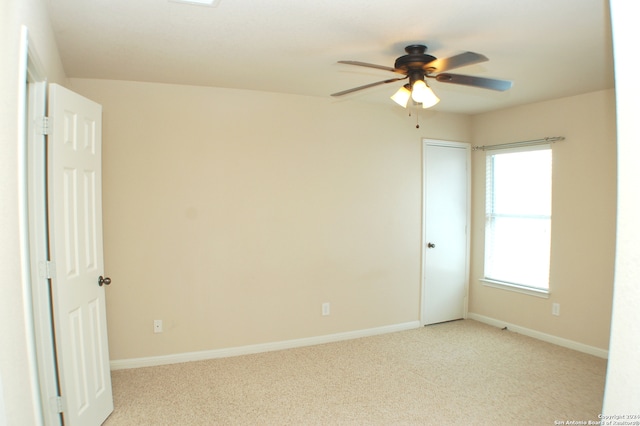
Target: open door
{"points": [[75, 231]]}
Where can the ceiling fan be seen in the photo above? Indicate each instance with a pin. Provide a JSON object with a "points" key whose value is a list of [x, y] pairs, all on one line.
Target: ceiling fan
{"points": [[417, 65]]}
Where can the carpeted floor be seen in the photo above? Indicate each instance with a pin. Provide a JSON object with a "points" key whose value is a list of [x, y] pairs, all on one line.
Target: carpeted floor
{"points": [[462, 372]]}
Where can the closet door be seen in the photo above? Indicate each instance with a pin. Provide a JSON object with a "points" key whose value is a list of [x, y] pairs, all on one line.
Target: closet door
{"points": [[445, 226]]}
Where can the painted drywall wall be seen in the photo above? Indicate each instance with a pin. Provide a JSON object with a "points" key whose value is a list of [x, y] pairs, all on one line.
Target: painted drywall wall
{"points": [[233, 215], [16, 371], [622, 391], [583, 217]]}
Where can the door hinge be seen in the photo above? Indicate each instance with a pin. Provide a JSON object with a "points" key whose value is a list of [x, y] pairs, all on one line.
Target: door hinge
{"points": [[59, 404], [47, 270], [44, 130]]}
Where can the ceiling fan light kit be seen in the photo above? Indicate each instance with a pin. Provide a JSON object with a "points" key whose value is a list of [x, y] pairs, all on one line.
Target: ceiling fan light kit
{"points": [[416, 65], [420, 93]]}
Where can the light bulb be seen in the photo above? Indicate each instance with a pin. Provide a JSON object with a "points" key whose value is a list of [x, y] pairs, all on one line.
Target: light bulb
{"points": [[419, 91]]}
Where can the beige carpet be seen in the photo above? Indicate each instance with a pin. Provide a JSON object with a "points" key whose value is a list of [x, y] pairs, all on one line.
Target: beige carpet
{"points": [[462, 372]]}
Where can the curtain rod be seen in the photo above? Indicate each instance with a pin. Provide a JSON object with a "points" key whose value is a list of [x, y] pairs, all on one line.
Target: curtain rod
{"points": [[542, 141]]}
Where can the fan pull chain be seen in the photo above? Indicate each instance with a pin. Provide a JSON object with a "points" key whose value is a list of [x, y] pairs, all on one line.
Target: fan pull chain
{"points": [[417, 119]]}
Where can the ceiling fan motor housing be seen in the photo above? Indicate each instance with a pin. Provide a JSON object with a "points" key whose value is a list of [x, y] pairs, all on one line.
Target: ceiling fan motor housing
{"points": [[414, 61]]}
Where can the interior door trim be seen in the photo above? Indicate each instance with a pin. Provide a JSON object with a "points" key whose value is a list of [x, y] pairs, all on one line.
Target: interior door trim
{"points": [[34, 238]]}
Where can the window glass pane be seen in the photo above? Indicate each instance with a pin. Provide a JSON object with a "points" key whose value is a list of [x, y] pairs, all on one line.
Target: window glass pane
{"points": [[522, 183], [519, 251]]}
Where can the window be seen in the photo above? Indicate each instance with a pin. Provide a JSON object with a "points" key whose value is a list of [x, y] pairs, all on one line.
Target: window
{"points": [[518, 218]]}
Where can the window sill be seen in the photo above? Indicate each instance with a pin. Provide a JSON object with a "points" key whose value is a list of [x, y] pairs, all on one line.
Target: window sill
{"points": [[516, 288]]}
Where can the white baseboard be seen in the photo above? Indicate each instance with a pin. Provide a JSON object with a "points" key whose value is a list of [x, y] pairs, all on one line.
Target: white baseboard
{"points": [[591, 350], [121, 364]]}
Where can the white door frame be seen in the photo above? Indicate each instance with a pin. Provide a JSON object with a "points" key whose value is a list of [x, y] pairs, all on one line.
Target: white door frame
{"points": [[34, 236], [467, 147]]}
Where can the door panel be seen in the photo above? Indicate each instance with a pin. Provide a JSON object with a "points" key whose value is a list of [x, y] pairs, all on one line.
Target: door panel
{"points": [[446, 213], [75, 211]]}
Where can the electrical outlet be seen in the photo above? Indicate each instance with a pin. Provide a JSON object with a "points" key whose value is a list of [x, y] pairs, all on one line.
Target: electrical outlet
{"points": [[157, 326], [555, 309], [326, 309]]}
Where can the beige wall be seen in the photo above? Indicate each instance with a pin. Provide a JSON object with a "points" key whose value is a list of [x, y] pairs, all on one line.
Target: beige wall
{"points": [[18, 394], [258, 207], [583, 216], [233, 215]]}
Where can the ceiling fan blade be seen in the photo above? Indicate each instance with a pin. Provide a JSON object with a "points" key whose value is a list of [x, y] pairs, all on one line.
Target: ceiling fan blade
{"points": [[467, 80], [366, 86], [457, 61], [364, 64]]}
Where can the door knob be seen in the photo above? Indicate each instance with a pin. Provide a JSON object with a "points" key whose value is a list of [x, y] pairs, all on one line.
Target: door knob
{"points": [[104, 281], [431, 245]]}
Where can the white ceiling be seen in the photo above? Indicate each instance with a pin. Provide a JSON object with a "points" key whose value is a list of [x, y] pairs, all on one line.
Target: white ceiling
{"points": [[548, 48]]}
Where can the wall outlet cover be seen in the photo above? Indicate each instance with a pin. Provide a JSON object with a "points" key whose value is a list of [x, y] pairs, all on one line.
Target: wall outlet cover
{"points": [[326, 308]]}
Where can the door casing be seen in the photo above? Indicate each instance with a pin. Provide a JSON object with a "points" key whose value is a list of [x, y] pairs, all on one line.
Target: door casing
{"points": [[35, 238]]}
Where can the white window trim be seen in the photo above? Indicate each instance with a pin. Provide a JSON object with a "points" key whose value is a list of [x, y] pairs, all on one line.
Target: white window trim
{"points": [[531, 291]]}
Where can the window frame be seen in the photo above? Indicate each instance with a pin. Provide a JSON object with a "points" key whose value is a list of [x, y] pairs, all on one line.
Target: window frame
{"points": [[496, 283]]}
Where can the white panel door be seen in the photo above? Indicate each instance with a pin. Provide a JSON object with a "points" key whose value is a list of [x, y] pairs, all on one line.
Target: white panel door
{"points": [[446, 214], [75, 214]]}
